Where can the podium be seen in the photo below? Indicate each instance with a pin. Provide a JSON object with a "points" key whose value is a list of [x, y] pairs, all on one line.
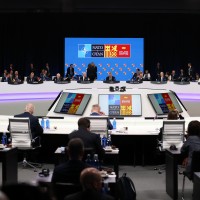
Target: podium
{"points": [[159, 82], [85, 82], [134, 82], [182, 82], [111, 82]]}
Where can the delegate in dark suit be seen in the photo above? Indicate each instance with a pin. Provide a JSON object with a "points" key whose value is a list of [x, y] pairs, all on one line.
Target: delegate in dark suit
{"points": [[110, 126], [31, 79], [91, 182], [89, 195], [90, 140], [70, 170], [110, 78], [6, 79], [91, 72], [36, 129], [70, 71]]}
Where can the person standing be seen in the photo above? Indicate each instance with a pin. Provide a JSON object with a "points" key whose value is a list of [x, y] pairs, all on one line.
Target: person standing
{"points": [[190, 72], [92, 71], [70, 71]]}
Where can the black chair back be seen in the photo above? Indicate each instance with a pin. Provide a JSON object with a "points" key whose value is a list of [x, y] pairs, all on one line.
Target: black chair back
{"points": [[195, 165], [63, 189]]}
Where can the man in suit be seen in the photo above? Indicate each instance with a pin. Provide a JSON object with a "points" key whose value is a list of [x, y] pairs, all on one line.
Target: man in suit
{"points": [[31, 78], [91, 182], [6, 78], [139, 77], [162, 77], [92, 71], [190, 72], [173, 76], [96, 111], [57, 78], [36, 129], [69, 171], [90, 140], [70, 71], [110, 77], [84, 77]]}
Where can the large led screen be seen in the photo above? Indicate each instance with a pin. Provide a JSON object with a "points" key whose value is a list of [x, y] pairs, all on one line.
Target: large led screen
{"points": [[164, 102], [121, 104], [121, 56], [72, 103]]}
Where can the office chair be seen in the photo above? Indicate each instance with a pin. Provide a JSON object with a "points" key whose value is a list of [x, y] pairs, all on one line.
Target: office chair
{"points": [[21, 138], [98, 124], [195, 167], [172, 133]]}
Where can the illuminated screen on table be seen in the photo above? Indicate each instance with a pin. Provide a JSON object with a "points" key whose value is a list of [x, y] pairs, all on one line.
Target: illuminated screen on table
{"points": [[121, 104], [164, 102], [121, 56], [72, 103]]}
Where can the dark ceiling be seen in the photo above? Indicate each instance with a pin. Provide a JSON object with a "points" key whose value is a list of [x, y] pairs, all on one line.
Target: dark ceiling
{"points": [[101, 6]]}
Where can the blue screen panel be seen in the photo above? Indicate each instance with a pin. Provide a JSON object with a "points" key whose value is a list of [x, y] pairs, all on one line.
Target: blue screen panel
{"points": [[121, 56]]}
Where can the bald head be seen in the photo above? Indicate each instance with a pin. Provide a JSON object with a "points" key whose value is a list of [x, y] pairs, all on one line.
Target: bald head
{"points": [[30, 108], [90, 178], [96, 108]]}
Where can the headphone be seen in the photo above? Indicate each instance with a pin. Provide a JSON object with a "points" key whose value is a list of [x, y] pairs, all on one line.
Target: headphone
{"points": [[44, 172]]}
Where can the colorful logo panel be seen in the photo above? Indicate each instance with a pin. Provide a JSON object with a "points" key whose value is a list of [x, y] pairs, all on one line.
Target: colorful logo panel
{"points": [[104, 50], [114, 104], [72, 103], [161, 103], [168, 101], [126, 104]]}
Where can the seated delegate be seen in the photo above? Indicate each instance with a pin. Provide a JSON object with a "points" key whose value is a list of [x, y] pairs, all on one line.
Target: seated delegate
{"points": [[69, 171], [191, 144], [90, 139], [96, 111], [137, 77], [57, 78], [32, 79], [161, 77], [110, 77], [91, 182], [84, 77]]}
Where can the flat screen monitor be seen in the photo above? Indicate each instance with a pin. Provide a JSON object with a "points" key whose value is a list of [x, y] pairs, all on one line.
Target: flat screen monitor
{"points": [[121, 104], [72, 103], [164, 102], [121, 56]]}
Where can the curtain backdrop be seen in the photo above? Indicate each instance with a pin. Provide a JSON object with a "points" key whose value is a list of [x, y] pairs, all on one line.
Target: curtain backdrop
{"points": [[171, 39]]}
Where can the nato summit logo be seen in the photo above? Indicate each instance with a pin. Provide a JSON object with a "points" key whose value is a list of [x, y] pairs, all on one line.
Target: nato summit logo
{"points": [[104, 50]]}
